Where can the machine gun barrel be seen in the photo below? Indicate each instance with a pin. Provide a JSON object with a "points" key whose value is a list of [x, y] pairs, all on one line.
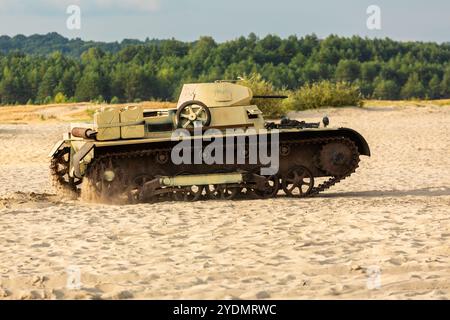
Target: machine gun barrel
{"points": [[270, 97]]}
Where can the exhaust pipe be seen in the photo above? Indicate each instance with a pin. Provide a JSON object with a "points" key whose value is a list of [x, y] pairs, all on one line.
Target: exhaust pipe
{"points": [[84, 133]]}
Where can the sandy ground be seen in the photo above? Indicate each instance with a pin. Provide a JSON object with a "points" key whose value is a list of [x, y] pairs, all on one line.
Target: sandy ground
{"points": [[383, 233]]}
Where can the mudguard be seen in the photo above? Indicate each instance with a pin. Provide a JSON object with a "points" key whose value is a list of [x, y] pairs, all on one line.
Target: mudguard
{"points": [[361, 143], [356, 137], [56, 147], [79, 156]]}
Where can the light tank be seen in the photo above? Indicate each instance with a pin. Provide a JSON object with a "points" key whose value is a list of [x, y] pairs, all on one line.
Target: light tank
{"points": [[133, 155]]}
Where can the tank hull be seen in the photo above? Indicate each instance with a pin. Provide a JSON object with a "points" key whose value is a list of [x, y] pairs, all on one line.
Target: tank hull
{"points": [[320, 157]]}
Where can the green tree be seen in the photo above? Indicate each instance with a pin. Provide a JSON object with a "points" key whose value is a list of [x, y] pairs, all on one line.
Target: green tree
{"points": [[386, 89], [413, 88], [348, 70], [48, 84], [90, 86], [434, 87], [369, 70], [12, 88], [40, 66], [445, 84], [138, 84]]}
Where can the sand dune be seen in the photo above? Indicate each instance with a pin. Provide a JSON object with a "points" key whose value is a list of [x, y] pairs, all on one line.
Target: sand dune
{"points": [[384, 233]]}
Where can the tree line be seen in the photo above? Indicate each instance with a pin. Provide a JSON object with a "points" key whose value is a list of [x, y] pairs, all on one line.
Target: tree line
{"points": [[51, 68]]}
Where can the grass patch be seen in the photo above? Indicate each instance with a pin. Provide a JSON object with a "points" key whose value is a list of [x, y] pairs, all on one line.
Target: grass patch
{"points": [[90, 112], [407, 103]]}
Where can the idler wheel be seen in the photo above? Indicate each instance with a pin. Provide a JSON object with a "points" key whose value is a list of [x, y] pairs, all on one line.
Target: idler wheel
{"points": [[298, 182]]}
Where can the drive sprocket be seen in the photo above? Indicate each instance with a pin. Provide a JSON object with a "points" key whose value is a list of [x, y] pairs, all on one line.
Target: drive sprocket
{"points": [[337, 158]]}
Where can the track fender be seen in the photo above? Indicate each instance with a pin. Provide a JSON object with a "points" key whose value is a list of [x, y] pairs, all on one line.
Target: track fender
{"points": [[358, 139], [79, 156], [56, 148]]}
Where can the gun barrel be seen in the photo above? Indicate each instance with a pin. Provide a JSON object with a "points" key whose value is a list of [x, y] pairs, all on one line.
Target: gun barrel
{"points": [[270, 97]]}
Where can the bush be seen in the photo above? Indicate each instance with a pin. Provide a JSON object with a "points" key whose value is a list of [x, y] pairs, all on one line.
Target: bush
{"points": [[270, 107], [325, 94], [99, 100], [115, 100], [60, 98], [47, 100]]}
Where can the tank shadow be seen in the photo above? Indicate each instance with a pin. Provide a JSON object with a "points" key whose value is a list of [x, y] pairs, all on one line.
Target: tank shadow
{"points": [[431, 192]]}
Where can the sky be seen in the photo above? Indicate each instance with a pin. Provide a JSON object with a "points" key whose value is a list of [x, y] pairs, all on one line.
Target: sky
{"points": [[187, 20]]}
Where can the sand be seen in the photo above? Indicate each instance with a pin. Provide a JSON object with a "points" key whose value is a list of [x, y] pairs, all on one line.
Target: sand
{"points": [[384, 233]]}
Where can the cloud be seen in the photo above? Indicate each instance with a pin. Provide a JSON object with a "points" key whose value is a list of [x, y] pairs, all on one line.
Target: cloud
{"points": [[108, 5], [132, 5], [50, 7], [8, 4]]}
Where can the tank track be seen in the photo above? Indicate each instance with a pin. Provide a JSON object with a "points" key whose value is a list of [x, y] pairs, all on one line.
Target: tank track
{"points": [[333, 180], [336, 179], [151, 155], [63, 184]]}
